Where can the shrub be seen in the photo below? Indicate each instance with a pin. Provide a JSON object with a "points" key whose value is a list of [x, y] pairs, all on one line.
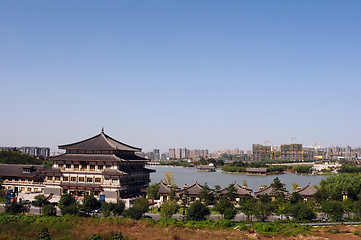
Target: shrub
{"points": [[168, 209], [49, 210], [16, 208], [135, 212], [44, 234], [68, 205], [229, 213], [197, 211], [96, 237], [301, 211]]}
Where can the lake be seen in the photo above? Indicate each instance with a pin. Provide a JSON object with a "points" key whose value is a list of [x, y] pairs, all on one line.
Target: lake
{"points": [[190, 175]]}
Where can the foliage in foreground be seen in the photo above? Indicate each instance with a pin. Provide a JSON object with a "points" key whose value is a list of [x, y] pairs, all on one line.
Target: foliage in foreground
{"points": [[30, 226]]}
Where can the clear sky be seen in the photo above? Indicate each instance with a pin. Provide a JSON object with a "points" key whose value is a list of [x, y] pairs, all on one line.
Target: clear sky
{"points": [[195, 74]]}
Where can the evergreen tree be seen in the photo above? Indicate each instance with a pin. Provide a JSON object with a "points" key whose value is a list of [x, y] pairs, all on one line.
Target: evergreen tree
{"points": [[44, 234], [197, 211]]}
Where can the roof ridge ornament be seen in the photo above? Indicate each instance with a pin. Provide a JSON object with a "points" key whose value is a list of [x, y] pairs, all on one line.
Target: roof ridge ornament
{"points": [[102, 129]]}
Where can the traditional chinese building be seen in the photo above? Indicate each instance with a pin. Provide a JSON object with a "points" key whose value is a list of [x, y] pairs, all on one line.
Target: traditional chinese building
{"points": [[306, 192], [239, 191], [22, 178], [98, 165]]}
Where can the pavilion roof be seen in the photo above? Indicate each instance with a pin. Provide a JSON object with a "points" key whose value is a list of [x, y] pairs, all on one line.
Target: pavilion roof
{"points": [[195, 189], [307, 191], [239, 190], [100, 142], [163, 188], [269, 191]]}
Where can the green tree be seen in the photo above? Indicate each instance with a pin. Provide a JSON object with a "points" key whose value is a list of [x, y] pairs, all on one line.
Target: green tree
{"points": [[295, 198], [247, 205], [204, 195], [16, 208], [140, 206], [153, 191], [263, 210], [197, 211], [135, 212], [280, 205], [277, 184], [106, 209], [44, 234], [68, 205], [231, 193], [301, 211], [90, 204], [40, 201], [348, 206], [142, 203], [225, 205], [333, 209], [49, 210], [118, 208], [357, 208], [168, 209]]}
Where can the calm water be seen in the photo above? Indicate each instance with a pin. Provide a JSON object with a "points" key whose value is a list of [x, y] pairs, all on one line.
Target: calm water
{"points": [[190, 175]]}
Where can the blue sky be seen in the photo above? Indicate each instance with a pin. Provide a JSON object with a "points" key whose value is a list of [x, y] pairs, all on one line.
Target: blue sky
{"points": [[196, 74]]}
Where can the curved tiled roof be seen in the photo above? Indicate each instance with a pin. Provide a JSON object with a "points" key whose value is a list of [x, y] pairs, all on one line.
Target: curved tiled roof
{"points": [[269, 191], [163, 188], [307, 191], [17, 170], [100, 142], [195, 189], [239, 190]]}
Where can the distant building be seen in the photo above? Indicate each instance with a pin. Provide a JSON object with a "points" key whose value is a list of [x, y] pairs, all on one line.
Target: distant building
{"points": [[261, 152], [36, 151]]}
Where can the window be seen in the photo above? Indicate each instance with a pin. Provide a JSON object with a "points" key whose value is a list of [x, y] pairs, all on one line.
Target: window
{"points": [[61, 165], [36, 190], [97, 180], [81, 179], [29, 189], [22, 189], [66, 179], [49, 178], [76, 167], [100, 167], [68, 165], [57, 178], [89, 180], [73, 179], [92, 167]]}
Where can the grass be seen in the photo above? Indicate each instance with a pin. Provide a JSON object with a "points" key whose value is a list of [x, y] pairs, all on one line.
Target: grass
{"points": [[71, 227]]}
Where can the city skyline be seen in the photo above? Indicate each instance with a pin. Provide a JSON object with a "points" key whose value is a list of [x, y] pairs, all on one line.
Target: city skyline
{"points": [[201, 75]]}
